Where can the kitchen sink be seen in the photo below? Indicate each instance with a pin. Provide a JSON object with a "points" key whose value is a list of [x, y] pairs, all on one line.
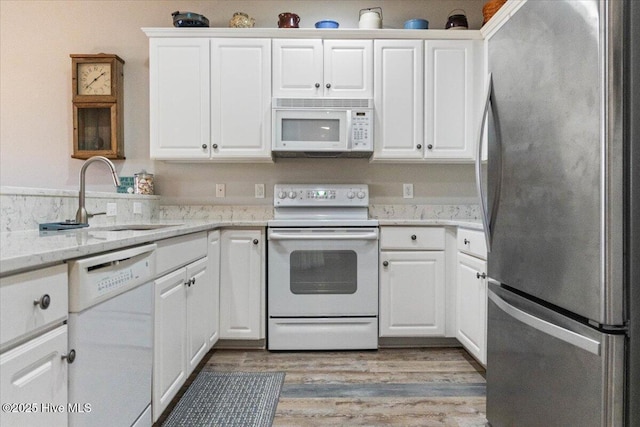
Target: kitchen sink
{"points": [[132, 227]]}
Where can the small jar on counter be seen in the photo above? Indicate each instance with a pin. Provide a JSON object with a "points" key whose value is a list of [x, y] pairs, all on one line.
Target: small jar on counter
{"points": [[143, 183]]}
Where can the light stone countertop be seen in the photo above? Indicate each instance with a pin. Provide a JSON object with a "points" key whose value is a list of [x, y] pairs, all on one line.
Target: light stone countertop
{"points": [[24, 250], [29, 249]]}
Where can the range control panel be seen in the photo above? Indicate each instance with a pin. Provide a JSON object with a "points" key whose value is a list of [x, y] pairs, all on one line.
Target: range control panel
{"points": [[327, 195]]}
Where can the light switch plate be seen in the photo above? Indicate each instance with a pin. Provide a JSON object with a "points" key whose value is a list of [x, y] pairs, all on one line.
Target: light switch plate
{"points": [[112, 209], [259, 191], [137, 208], [407, 191]]}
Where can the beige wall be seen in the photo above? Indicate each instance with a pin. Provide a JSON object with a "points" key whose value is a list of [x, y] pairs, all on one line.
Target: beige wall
{"points": [[36, 38]]}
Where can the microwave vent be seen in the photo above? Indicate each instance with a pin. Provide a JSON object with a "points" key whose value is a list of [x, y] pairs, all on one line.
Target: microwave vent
{"points": [[322, 103]]}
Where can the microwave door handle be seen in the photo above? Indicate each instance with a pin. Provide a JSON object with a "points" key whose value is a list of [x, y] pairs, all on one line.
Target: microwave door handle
{"points": [[349, 130]]}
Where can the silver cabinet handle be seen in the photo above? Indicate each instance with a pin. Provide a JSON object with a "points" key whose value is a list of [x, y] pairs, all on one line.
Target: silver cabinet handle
{"points": [[385, 263], [69, 357], [44, 302], [481, 276]]}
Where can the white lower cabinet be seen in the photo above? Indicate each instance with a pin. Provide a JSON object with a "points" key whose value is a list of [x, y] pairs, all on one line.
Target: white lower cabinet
{"points": [[34, 382], [412, 282], [242, 284], [34, 347], [183, 302], [471, 295]]}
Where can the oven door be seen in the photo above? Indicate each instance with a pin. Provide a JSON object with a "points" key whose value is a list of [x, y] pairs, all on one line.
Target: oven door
{"points": [[323, 272]]}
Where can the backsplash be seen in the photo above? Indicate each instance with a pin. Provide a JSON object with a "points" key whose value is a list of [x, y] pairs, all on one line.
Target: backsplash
{"points": [[462, 211], [25, 208]]}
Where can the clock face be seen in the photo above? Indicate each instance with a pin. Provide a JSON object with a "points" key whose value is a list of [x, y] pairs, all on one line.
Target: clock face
{"points": [[94, 78]]}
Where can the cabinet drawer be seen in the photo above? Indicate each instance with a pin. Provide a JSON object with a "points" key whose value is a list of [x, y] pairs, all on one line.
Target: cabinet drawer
{"points": [[179, 251], [472, 242], [412, 238], [20, 317]]}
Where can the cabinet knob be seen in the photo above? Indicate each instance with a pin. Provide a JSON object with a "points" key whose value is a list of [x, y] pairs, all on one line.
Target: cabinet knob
{"points": [[69, 357], [256, 241], [414, 237], [481, 276], [317, 85], [215, 146], [466, 242], [430, 146], [204, 146], [328, 85], [193, 280], [385, 263], [44, 302], [419, 146]]}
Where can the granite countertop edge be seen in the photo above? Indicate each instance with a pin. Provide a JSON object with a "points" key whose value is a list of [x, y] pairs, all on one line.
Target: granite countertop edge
{"points": [[26, 250]]}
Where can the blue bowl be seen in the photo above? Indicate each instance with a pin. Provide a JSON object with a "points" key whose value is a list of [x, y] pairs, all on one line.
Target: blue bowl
{"points": [[416, 24], [327, 24]]}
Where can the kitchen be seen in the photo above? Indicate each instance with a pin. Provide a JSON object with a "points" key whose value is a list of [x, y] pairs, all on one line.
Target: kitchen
{"points": [[451, 187]]}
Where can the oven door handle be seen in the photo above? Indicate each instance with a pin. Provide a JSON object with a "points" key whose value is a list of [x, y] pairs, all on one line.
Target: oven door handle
{"points": [[324, 236]]}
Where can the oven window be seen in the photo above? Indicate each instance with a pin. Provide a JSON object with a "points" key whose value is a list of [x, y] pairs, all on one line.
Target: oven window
{"points": [[324, 130], [323, 272]]}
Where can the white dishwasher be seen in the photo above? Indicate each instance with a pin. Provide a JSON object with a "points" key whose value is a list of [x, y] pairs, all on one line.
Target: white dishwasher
{"points": [[111, 331]]}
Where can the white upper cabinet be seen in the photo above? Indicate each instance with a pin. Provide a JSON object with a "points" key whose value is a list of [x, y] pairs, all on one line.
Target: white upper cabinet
{"points": [[307, 68], [210, 99], [179, 98], [399, 99], [451, 70], [241, 99]]}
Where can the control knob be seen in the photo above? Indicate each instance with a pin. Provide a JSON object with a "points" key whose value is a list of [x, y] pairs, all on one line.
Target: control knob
{"points": [[292, 194], [282, 195], [361, 194], [351, 195]]}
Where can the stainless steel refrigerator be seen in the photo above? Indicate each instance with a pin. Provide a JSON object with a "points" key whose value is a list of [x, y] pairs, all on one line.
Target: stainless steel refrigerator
{"points": [[561, 204]]}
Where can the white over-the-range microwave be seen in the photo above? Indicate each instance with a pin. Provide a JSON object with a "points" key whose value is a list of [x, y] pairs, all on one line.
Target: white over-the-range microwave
{"points": [[322, 127]]}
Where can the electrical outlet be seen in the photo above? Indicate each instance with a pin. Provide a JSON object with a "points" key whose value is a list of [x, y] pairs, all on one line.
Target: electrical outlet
{"points": [[407, 191], [137, 208], [220, 190], [112, 209], [259, 191]]}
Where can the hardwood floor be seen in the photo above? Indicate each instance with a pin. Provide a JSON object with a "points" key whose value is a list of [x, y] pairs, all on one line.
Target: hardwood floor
{"points": [[390, 387]]}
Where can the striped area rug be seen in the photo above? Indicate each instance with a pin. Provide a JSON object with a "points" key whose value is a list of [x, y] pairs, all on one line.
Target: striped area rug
{"points": [[243, 399]]}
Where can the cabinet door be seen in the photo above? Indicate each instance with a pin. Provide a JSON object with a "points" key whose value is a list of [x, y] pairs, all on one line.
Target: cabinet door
{"points": [[241, 99], [412, 294], [471, 306], [242, 284], [297, 68], [34, 376], [399, 99], [179, 109], [450, 67], [170, 329], [199, 306], [213, 315], [348, 68]]}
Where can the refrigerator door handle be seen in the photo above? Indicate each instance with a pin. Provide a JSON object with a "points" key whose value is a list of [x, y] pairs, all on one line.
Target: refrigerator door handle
{"points": [[570, 337], [479, 184]]}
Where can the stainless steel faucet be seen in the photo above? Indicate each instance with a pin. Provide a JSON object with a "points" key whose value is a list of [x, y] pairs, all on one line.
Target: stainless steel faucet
{"points": [[81, 214]]}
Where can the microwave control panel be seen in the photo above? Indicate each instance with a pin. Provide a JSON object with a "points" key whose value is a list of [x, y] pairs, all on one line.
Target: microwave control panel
{"points": [[362, 130]]}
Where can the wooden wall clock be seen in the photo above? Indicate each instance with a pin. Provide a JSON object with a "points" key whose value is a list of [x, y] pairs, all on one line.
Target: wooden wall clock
{"points": [[97, 88]]}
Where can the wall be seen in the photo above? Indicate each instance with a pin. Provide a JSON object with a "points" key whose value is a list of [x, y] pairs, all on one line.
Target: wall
{"points": [[36, 38]]}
